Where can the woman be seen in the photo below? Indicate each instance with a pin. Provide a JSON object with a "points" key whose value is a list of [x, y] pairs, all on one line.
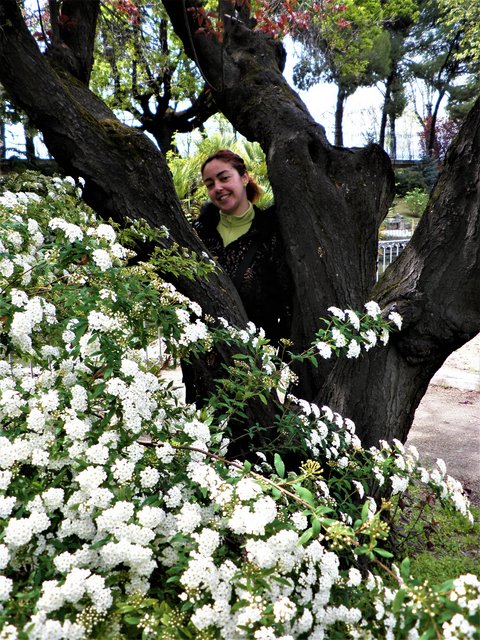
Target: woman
{"points": [[245, 242]]}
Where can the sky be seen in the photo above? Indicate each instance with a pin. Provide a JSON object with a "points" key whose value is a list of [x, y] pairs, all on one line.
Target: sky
{"points": [[362, 114]]}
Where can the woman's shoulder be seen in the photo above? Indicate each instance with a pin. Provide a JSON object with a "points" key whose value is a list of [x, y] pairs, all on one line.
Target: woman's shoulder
{"points": [[208, 217], [266, 219]]}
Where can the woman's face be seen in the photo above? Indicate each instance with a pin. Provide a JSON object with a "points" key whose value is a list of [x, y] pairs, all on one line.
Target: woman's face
{"points": [[226, 187]]}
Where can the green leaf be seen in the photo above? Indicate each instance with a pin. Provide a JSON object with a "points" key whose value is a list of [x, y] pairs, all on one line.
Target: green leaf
{"points": [[279, 465], [316, 526], [364, 515], [398, 600], [383, 553], [100, 543], [306, 495], [305, 537], [276, 493], [405, 569]]}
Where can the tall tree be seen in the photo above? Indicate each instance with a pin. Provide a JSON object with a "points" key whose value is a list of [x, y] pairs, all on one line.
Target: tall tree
{"points": [[330, 203], [141, 69], [442, 57], [352, 44]]}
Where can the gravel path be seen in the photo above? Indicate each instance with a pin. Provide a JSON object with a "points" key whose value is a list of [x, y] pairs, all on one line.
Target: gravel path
{"points": [[447, 421]]}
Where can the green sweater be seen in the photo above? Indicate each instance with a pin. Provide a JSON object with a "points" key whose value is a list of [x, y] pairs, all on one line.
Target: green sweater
{"points": [[231, 227]]}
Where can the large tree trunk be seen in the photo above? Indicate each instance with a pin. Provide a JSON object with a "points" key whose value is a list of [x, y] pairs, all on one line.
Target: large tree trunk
{"points": [[435, 285], [330, 204]]}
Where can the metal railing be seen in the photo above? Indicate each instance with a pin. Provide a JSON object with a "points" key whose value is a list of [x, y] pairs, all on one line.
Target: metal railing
{"points": [[388, 250]]}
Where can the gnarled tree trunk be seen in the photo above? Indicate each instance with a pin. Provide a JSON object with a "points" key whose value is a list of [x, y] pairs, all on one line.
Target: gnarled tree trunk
{"points": [[330, 204]]}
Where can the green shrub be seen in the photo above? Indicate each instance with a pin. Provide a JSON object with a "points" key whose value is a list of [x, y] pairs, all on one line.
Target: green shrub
{"points": [[416, 202], [409, 178], [120, 516]]}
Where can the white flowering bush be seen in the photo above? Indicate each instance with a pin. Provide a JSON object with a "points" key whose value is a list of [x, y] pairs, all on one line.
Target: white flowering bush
{"points": [[120, 515]]}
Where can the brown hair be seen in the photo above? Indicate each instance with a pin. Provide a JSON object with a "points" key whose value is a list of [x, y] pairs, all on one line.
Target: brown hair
{"points": [[254, 191]]}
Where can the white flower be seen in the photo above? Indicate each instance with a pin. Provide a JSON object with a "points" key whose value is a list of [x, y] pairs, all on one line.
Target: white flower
{"points": [[284, 610], [189, 517], [79, 401], [353, 349], [354, 319], [72, 231], [359, 488], [442, 466], [99, 321], [6, 267], [102, 259], [19, 298], [373, 309], [107, 294], [396, 318], [151, 517], [77, 429], [208, 540], [97, 454], [384, 336], [247, 489], [299, 520], [165, 453], [129, 367], [338, 338], [106, 232], [399, 484], [6, 585], [18, 532], [123, 470], [118, 251], [324, 350], [7, 504], [91, 478], [149, 477], [4, 556], [354, 577], [335, 311], [370, 338], [53, 498]]}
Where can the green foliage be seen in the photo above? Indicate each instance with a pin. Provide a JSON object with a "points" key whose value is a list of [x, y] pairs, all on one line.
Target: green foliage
{"points": [[463, 16], [186, 168], [409, 178], [351, 46], [140, 66], [416, 201], [441, 545]]}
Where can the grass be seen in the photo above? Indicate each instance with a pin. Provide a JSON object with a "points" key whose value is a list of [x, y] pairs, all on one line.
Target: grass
{"points": [[442, 544]]}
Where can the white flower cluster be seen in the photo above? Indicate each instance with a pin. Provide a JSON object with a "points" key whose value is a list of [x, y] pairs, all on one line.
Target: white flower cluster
{"points": [[111, 498], [35, 311], [352, 331], [191, 332]]}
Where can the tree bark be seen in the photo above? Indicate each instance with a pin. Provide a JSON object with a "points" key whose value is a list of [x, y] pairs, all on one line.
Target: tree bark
{"points": [[330, 203], [341, 98], [126, 176], [435, 285], [73, 35]]}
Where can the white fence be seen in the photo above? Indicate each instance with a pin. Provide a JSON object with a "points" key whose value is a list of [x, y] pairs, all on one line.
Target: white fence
{"points": [[388, 250]]}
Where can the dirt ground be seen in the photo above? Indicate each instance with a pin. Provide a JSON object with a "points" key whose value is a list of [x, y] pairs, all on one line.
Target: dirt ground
{"points": [[447, 421]]}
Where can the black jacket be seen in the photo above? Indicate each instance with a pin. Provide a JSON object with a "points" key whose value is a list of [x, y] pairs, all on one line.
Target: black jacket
{"points": [[256, 264]]}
